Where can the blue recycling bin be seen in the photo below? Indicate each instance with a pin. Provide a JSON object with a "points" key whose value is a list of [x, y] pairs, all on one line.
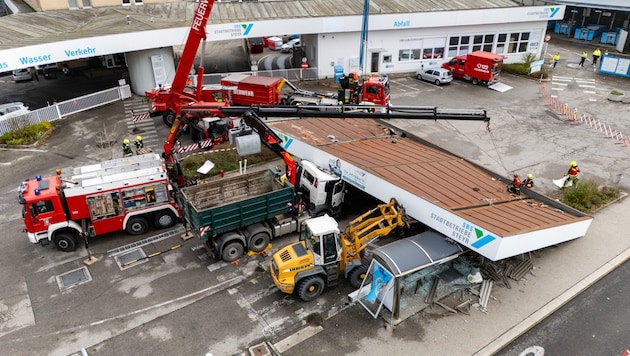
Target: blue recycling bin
{"points": [[338, 73]]}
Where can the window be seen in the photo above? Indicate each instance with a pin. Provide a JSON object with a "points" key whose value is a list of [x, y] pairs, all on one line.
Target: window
{"points": [[515, 42], [44, 206], [87, 4], [409, 49], [72, 4], [387, 58], [126, 2], [138, 2], [458, 46], [483, 43]]}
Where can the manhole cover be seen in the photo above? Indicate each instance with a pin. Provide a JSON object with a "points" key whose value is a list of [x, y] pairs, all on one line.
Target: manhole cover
{"points": [[131, 258], [73, 278]]}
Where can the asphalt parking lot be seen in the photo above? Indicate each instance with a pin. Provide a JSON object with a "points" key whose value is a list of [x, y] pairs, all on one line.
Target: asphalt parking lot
{"points": [[182, 302]]}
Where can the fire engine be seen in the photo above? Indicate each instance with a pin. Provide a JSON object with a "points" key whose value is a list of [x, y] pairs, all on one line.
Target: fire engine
{"points": [[121, 194]]}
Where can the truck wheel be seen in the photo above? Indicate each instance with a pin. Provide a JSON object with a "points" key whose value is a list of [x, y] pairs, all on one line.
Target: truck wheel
{"points": [[137, 226], [65, 241], [259, 241], [475, 81], [168, 117], [357, 275], [164, 219], [310, 288], [232, 251]]}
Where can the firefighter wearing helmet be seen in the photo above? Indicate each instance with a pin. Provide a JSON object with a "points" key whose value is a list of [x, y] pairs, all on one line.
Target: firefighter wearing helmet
{"points": [[126, 148], [529, 181], [572, 174], [138, 143], [515, 186]]}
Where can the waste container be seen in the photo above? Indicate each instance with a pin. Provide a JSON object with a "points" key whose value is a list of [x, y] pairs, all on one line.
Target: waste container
{"points": [[338, 73]]}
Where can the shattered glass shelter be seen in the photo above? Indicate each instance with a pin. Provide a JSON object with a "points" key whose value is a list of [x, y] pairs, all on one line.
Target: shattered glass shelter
{"points": [[404, 273]]}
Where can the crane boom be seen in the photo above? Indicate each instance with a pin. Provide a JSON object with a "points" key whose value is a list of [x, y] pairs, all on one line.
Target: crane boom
{"points": [[195, 36]]}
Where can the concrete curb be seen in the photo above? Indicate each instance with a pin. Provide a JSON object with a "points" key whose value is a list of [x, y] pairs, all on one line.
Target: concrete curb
{"points": [[555, 304]]}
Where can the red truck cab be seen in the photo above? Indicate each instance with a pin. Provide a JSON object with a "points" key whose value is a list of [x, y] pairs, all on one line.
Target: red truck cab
{"points": [[477, 67]]}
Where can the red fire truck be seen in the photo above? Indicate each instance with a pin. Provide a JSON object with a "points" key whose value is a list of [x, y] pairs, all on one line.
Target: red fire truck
{"points": [[120, 194]]}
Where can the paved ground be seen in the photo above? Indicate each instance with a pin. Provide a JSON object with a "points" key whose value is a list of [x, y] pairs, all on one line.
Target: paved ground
{"points": [[184, 303]]}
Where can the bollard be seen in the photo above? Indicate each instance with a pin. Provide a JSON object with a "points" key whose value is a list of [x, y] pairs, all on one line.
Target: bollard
{"points": [[221, 173]]}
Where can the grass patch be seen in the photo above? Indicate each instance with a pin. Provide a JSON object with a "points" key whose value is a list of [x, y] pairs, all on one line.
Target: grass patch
{"points": [[226, 161], [26, 135], [522, 68], [587, 196]]}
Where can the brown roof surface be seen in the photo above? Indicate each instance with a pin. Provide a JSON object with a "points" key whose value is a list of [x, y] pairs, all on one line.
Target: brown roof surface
{"points": [[436, 176]]}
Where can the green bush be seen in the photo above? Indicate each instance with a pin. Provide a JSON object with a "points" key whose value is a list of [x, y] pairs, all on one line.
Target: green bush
{"points": [[226, 161], [586, 196], [26, 135]]}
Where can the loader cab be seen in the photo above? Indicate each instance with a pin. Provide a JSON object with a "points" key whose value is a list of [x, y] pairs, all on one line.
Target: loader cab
{"points": [[323, 191], [321, 237]]}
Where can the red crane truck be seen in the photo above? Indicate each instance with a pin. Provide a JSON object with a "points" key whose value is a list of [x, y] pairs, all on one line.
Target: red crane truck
{"points": [[477, 67], [121, 194]]}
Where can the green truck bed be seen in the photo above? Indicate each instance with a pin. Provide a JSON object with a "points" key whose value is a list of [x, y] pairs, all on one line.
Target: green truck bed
{"points": [[228, 204]]}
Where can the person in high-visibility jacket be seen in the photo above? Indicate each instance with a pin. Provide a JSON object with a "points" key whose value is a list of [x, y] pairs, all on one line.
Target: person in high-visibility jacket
{"points": [[126, 148], [139, 144], [529, 181], [515, 187], [572, 174]]}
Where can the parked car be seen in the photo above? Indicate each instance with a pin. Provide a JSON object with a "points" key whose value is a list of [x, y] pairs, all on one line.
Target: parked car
{"points": [[46, 67], [22, 75], [13, 109], [290, 46], [435, 75]]}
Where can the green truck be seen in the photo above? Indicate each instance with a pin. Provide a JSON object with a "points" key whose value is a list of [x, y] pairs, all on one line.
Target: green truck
{"points": [[241, 213]]}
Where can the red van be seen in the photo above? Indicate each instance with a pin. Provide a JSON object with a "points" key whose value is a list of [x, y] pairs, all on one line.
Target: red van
{"points": [[477, 67]]}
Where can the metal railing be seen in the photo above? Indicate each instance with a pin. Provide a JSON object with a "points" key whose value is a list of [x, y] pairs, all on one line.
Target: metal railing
{"points": [[59, 110]]}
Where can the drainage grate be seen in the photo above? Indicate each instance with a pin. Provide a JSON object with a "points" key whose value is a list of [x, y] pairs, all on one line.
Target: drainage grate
{"points": [[73, 278], [131, 258], [147, 241]]}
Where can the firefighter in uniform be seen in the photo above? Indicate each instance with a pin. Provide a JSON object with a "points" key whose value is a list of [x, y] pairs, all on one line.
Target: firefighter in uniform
{"points": [[126, 148], [572, 174], [529, 181], [139, 144], [515, 186]]}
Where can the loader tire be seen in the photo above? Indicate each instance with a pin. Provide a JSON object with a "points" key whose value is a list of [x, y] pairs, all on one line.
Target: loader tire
{"points": [[168, 117], [357, 275], [310, 288]]}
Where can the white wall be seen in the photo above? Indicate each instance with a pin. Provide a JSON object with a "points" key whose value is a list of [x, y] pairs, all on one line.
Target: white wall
{"points": [[344, 48], [141, 72]]}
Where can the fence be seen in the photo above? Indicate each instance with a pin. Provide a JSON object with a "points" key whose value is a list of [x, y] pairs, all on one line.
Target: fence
{"points": [[58, 111], [578, 117]]}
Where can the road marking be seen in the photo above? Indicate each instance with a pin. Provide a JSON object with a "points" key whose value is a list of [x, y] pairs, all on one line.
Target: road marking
{"points": [[586, 86], [589, 92], [558, 89], [297, 337], [562, 84]]}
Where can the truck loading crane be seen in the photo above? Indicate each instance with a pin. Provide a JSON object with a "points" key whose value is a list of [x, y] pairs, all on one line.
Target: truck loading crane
{"points": [[307, 267]]}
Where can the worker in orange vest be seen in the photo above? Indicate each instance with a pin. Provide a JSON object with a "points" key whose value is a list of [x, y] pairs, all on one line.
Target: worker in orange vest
{"points": [[515, 186]]}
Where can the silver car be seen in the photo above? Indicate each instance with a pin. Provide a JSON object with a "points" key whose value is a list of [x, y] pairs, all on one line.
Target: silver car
{"points": [[22, 74], [435, 75], [13, 109]]}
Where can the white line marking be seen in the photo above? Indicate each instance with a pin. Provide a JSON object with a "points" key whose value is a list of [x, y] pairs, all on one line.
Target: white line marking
{"points": [[294, 339], [589, 92]]}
